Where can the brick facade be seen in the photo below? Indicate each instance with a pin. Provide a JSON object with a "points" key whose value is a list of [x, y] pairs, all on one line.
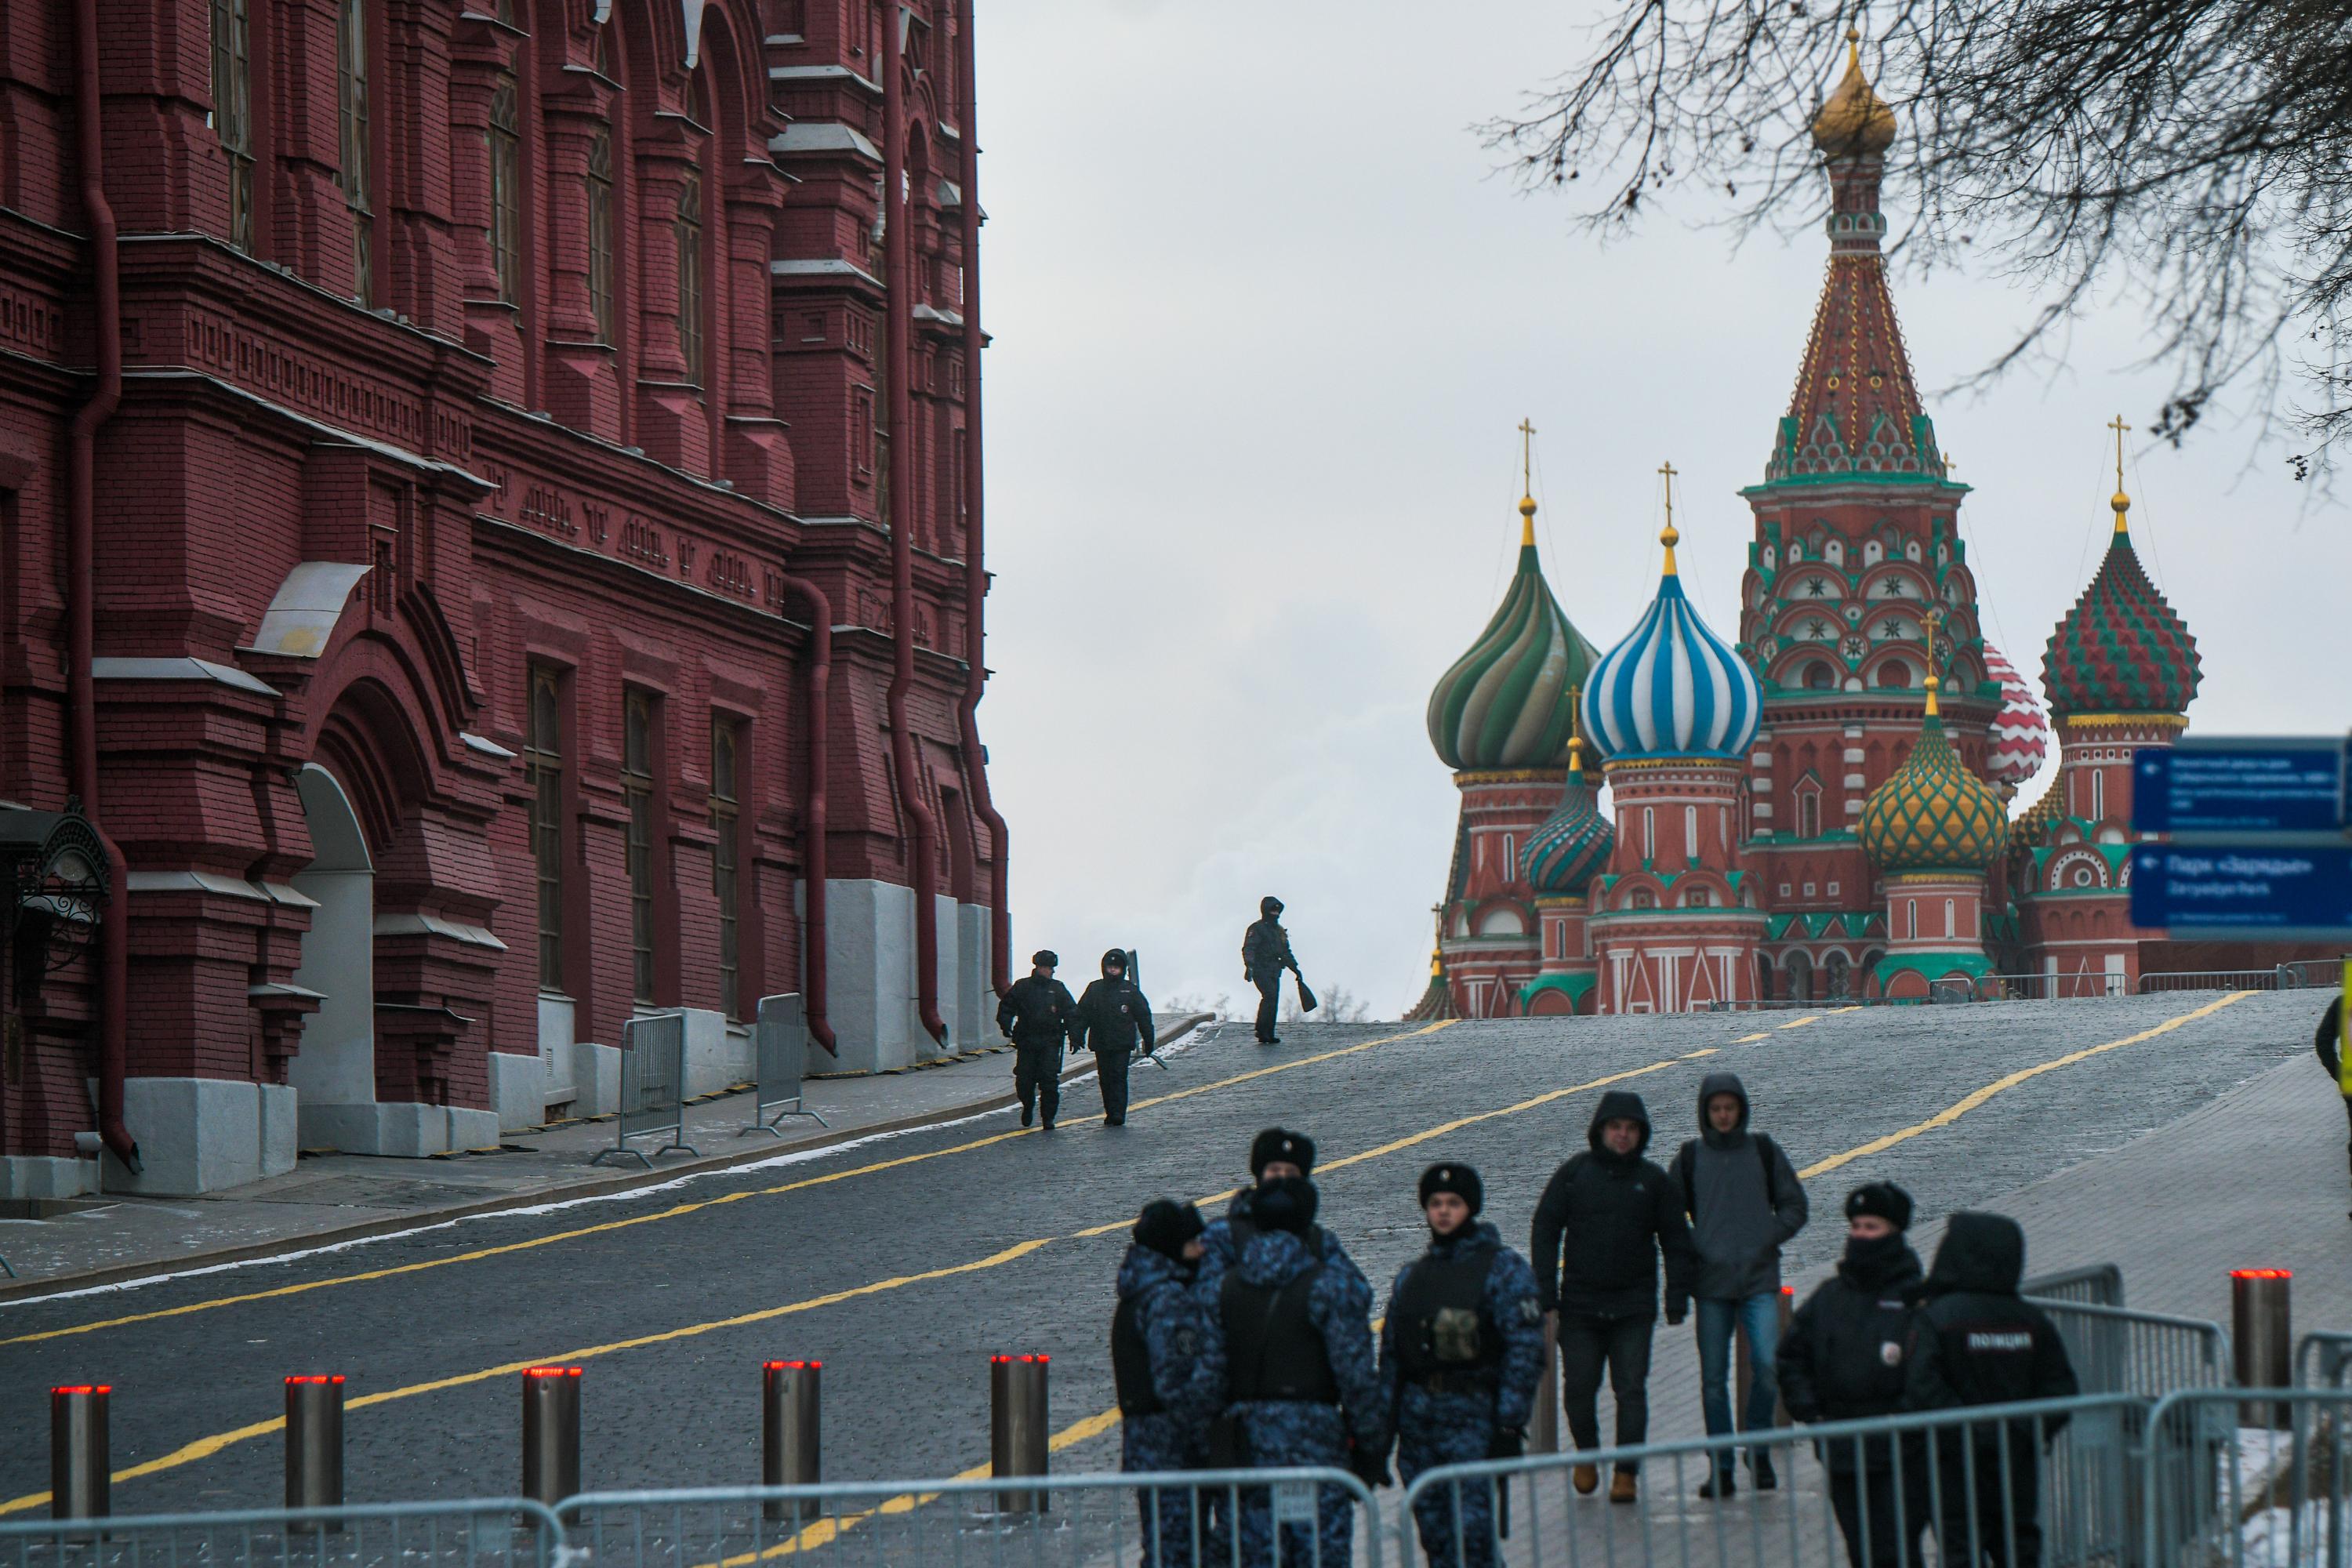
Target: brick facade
{"points": [[564, 330]]}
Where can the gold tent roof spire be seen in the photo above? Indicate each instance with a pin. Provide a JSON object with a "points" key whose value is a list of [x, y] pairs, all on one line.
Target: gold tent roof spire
{"points": [[2120, 501], [1854, 122]]}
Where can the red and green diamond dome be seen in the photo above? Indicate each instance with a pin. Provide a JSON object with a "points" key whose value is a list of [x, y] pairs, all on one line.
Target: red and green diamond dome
{"points": [[2121, 649]]}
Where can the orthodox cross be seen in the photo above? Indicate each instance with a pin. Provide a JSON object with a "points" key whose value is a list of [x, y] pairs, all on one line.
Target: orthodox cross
{"points": [[2118, 426], [1526, 458], [1669, 471], [1933, 621]]}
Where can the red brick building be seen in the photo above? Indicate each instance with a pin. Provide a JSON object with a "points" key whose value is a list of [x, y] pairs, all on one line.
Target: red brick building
{"points": [[490, 508]]}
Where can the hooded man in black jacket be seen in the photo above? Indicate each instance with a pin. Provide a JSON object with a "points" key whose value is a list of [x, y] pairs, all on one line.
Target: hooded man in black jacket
{"points": [[1266, 954], [1604, 1217], [1843, 1360], [2326, 1040], [1113, 1017], [1974, 1340]]}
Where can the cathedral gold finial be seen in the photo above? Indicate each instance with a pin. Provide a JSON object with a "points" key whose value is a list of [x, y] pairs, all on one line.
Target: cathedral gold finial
{"points": [[1667, 536], [1576, 733], [1933, 620], [1526, 483], [2120, 501]]}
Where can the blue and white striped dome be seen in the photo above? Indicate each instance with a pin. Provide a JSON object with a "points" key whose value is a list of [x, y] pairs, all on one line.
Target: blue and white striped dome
{"points": [[1672, 688]]}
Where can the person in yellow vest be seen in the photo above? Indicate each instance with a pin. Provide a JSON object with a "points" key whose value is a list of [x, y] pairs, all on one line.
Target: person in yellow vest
{"points": [[2327, 1040]]}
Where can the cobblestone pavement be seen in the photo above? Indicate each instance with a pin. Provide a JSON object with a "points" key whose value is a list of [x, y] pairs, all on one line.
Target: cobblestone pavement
{"points": [[903, 1263]]}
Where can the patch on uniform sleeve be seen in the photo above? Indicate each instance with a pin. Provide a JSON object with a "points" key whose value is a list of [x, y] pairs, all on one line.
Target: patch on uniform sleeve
{"points": [[1187, 1341], [1890, 1353], [1529, 1310]]}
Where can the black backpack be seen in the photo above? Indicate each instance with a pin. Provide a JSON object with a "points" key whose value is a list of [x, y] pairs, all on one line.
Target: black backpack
{"points": [[1686, 1172]]}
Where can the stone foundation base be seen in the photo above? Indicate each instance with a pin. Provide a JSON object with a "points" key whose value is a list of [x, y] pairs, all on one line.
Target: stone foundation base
{"points": [[46, 1177], [202, 1134]]}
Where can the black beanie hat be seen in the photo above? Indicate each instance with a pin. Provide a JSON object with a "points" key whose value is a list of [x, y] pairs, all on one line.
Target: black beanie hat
{"points": [[1116, 955], [1288, 1203], [1281, 1143], [1046, 956], [1269, 906], [1165, 1225], [1885, 1199], [1460, 1179]]}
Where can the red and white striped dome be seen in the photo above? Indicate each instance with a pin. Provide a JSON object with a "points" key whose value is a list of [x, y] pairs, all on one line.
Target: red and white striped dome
{"points": [[2020, 734]]}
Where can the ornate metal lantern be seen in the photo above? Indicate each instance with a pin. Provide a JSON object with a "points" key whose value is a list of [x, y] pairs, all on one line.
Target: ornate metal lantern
{"points": [[55, 871]]}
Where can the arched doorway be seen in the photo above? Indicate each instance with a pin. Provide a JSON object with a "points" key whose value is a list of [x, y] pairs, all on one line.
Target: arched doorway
{"points": [[336, 1064], [1799, 967]]}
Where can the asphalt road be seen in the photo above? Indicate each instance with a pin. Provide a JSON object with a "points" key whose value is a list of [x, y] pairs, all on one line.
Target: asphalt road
{"points": [[903, 1262]]}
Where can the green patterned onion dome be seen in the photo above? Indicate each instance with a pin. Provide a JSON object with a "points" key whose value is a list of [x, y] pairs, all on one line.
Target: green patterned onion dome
{"points": [[2121, 649], [1568, 850], [1933, 815], [1510, 701]]}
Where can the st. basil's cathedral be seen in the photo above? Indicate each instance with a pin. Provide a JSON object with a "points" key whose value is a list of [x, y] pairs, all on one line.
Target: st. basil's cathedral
{"points": [[1820, 811]]}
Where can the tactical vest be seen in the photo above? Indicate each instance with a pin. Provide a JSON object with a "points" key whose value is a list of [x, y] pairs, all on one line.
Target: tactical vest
{"points": [[1441, 1318], [1273, 1349], [1131, 1361]]}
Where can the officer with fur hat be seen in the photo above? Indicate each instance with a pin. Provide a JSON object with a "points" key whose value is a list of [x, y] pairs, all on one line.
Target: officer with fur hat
{"points": [[1845, 1358], [1461, 1361], [1168, 1385], [1036, 1015], [1113, 1018], [1275, 1154], [1290, 1323], [1266, 954]]}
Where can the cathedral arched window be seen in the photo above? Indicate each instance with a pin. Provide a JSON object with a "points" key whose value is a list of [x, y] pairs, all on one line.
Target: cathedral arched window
{"points": [[504, 143], [1894, 676], [688, 230], [1819, 677], [600, 230], [232, 116], [356, 172]]}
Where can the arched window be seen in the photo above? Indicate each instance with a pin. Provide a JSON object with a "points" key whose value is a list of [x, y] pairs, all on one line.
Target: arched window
{"points": [[355, 173], [1510, 856], [1649, 833], [600, 229], [1819, 677], [232, 117], [1690, 831], [1951, 920], [689, 275], [504, 139], [1894, 676]]}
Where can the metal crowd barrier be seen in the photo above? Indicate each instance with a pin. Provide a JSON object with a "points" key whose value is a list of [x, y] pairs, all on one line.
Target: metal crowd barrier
{"points": [[2222, 1494], [1175, 1518], [2093, 1284], [653, 1088], [780, 1055], [2119, 1349], [490, 1532], [2322, 1358], [2278, 977], [2050, 1482]]}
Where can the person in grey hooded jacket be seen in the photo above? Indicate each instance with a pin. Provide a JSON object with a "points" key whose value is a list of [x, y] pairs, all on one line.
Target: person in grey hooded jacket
{"points": [[1745, 1202]]}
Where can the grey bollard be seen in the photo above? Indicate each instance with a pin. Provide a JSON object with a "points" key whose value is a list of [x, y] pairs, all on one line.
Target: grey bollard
{"points": [[314, 1445], [790, 1413], [550, 1433], [1016, 1426], [1543, 1432], [79, 1463], [2262, 1337]]}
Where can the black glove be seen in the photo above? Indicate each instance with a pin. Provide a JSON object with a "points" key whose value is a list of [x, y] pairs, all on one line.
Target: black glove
{"points": [[1675, 1312], [1369, 1466], [1508, 1443]]}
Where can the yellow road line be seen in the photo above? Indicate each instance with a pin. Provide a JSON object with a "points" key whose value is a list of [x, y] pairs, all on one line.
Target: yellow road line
{"points": [[1967, 1103], [1800, 1023], [674, 1212], [1746, 1039], [204, 1448]]}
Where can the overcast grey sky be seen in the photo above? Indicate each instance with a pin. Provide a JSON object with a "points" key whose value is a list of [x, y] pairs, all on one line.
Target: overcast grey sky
{"points": [[1265, 321]]}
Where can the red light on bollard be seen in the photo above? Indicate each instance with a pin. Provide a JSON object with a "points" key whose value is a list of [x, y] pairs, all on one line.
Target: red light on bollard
{"points": [[79, 1468], [314, 1445], [550, 1433], [2261, 1273], [314, 1378], [2262, 1336], [791, 1366], [552, 1372], [83, 1388]]}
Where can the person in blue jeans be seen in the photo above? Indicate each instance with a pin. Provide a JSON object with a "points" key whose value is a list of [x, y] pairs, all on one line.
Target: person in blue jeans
{"points": [[1745, 1202]]}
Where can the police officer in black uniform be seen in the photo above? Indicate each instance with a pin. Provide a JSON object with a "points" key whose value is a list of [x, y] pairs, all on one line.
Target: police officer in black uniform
{"points": [[1112, 1018], [1034, 1015]]}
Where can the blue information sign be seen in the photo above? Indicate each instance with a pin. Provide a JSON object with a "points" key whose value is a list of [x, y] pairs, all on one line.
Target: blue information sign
{"points": [[2240, 787], [2251, 890]]}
